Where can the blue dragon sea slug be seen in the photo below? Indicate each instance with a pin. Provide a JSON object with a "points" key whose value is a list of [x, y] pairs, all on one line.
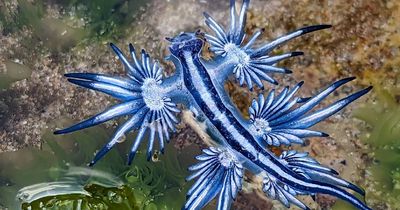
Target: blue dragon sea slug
{"points": [[276, 118]]}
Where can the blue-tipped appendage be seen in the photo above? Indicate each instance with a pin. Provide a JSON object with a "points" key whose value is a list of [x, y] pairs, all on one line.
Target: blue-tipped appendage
{"points": [[251, 65], [218, 172], [285, 119], [143, 98]]}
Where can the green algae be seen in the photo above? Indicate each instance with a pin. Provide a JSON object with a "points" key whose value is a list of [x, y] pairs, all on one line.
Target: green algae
{"points": [[106, 18], [27, 14], [60, 164], [383, 138], [79, 21], [99, 197]]}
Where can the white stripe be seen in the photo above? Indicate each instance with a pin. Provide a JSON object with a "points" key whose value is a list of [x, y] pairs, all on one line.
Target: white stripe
{"points": [[206, 96]]}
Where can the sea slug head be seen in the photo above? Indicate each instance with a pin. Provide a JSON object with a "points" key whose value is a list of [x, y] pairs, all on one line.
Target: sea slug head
{"points": [[192, 42]]}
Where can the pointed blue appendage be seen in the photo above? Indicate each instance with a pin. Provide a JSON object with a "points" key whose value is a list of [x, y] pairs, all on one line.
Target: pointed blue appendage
{"points": [[278, 190], [278, 120], [142, 99], [218, 172], [309, 168], [253, 64]]}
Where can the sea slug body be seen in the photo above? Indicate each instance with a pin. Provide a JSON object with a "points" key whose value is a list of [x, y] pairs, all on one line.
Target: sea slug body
{"points": [[277, 118]]}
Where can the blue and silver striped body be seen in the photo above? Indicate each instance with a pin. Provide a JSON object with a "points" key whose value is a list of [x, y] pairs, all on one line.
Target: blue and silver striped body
{"points": [[241, 143]]}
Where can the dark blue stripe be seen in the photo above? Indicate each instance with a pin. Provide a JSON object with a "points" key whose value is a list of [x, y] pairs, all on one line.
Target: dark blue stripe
{"points": [[231, 140]]}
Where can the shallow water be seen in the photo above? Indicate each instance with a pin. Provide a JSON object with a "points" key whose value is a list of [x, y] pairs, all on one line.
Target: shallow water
{"points": [[56, 176], [43, 39]]}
